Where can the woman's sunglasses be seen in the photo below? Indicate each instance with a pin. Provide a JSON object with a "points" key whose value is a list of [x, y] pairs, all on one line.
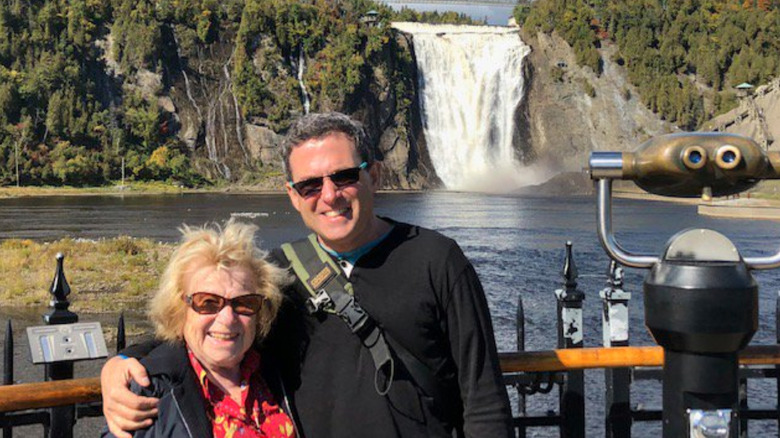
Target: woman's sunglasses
{"points": [[313, 186], [209, 304]]}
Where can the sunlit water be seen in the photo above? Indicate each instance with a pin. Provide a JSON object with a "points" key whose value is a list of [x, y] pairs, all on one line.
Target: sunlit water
{"points": [[515, 243]]}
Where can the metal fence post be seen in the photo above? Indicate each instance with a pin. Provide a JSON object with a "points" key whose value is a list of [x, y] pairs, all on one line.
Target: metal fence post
{"points": [[777, 367], [520, 336], [572, 391], [62, 418], [617, 419], [8, 369]]}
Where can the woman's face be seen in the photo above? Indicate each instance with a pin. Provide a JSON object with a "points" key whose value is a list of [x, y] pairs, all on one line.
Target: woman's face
{"points": [[219, 341]]}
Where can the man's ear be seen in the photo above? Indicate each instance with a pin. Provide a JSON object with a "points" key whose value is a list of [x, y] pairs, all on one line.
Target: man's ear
{"points": [[295, 198], [375, 172]]}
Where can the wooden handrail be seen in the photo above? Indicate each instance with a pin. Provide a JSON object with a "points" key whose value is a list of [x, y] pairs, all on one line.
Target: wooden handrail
{"points": [[615, 357], [49, 394], [67, 392]]}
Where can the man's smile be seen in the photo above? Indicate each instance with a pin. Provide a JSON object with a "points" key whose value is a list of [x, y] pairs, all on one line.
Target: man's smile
{"points": [[339, 212]]}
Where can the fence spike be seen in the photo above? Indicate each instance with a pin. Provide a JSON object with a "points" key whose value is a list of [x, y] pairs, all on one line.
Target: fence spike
{"points": [[569, 268], [8, 355], [120, 333]]}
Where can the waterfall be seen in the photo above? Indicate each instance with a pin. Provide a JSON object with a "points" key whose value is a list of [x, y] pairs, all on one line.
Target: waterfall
{"points": [[304, 91], [215, 114], [239, 118], [187, 87], [470, 86]]}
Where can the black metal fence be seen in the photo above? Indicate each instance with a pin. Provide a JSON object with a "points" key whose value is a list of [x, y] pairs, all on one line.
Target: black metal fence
{"points": [[57, 422], [619, 416], [569, 417]]}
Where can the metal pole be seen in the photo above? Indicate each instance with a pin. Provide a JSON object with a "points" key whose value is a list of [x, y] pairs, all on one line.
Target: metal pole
{"points": [[617, 418], [777, 367], [8, 369], [62, 418], [520, 336], [572, 391]]}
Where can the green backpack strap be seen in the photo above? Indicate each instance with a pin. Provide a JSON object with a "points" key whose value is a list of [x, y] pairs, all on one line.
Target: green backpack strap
{"points": [[331, 292]]}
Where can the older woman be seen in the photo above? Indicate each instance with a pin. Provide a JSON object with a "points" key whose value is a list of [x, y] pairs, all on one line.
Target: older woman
{"points": [[217, 297]]}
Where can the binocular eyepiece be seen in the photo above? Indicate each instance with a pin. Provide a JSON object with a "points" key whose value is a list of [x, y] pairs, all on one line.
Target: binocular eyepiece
{"points": [[727, 157], [690, 164]]}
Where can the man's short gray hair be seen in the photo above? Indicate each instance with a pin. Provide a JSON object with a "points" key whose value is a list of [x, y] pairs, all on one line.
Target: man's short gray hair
{"points": [[318, 125]]}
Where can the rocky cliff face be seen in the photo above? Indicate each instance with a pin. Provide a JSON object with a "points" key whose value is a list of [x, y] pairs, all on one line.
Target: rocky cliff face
{"points": [[201, 101], [399, 140], [567, 112], [570, 111]]}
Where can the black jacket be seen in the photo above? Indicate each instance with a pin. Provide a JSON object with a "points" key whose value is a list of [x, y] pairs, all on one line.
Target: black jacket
{"points": [[182, 408]]}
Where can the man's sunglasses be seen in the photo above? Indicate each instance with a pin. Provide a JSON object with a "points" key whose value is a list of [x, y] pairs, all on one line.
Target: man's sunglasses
{"points": [[209, 304], [342, 178]]}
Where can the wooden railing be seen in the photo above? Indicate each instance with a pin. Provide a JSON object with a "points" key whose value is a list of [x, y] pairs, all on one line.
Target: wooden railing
{"points": [[615, 357], [49, 394], [67, 392]]}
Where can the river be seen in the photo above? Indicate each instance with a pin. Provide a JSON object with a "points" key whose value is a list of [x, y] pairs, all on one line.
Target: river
{"points": [[516, 244]]}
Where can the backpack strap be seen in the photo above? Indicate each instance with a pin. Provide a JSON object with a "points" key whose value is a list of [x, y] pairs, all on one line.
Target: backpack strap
{"points": [[331, 292]]}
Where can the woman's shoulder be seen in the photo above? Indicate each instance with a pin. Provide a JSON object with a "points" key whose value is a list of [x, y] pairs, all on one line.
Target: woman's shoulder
{"points": [[167, 362]]}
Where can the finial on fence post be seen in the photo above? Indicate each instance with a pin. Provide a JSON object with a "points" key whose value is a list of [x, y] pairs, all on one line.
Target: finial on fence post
{"points": [[570, 273], [59, 304], [615, 275], [63, 418], [570, 335], [120, 333], [569, 304]]}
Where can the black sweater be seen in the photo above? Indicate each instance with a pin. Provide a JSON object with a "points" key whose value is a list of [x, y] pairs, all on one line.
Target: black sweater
{"points": [[424, 293]]}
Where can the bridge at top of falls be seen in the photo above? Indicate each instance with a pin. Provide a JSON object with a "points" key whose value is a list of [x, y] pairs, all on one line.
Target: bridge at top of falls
{"points": [[453, 2]]}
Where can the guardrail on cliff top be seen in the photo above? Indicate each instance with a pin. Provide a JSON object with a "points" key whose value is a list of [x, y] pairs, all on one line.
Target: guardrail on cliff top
{"points": [[57, 405]]}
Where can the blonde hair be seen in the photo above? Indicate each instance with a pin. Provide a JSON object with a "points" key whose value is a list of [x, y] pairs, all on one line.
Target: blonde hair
{"points": [[221, 247]]}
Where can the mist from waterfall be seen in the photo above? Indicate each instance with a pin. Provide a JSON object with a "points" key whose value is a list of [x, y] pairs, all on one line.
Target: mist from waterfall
{"points": [[470, 86]]}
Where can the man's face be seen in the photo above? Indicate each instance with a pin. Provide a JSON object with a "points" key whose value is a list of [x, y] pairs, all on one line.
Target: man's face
{"points": [[343, 217]]}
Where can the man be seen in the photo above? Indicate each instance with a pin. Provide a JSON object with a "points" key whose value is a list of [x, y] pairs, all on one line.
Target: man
{"points": [[420, 291]]}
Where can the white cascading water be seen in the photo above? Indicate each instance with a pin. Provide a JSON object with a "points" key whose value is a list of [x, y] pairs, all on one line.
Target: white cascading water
{"points": [[304, 91], [470, 85]]}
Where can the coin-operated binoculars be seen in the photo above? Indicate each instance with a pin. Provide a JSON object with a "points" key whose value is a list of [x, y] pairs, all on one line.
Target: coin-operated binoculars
{"points": [[701, 302]]}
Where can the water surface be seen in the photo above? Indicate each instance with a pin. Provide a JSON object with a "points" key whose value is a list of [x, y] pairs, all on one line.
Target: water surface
{"points": [[516, 244]]}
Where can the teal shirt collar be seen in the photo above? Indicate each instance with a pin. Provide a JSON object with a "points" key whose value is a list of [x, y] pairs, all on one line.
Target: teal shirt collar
{"points": [[353, 256]]}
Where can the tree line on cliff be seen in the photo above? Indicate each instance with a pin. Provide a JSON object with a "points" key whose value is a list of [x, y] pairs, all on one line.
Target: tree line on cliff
{"points": [[684, 56], [73, 109]]}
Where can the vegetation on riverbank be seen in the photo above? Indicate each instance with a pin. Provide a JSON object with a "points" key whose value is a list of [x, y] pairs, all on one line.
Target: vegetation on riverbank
{"points": [[104, 275], [273, 185]]}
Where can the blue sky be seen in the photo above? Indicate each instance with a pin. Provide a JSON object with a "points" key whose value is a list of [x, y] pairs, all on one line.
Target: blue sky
{"points": [[496, 15]]}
